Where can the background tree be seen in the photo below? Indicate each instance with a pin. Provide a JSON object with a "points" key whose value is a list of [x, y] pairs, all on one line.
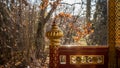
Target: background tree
{"points": [[16, 37], [99, 37]]}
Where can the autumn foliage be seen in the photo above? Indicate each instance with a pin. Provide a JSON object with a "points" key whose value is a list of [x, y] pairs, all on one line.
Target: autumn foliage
{"points": [[86, 29], [62, 14]]}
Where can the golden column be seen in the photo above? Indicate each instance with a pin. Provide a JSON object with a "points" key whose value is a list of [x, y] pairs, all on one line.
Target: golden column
{"points": [[54, 36], [112, 32]]}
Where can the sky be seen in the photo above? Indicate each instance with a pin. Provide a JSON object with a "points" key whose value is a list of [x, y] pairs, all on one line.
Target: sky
{"points": [[68, 1], [78, 8], [71, 1]]}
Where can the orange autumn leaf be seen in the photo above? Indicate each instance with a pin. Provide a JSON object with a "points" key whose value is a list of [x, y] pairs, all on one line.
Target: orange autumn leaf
{"points": [[92, 31], [44, 4], [86, 31], [84, 27], [89, 24], [76, 38], [70, 24], [79, 33], [68, 15], [62, 14]]}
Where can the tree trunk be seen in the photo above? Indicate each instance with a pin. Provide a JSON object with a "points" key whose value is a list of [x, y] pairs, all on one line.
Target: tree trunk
{"points": [[99, 37], [88, 15], [88, 11], [40, 40]]}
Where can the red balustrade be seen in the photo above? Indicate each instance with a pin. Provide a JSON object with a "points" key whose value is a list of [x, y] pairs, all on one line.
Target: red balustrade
{"points": [[83, 57]]}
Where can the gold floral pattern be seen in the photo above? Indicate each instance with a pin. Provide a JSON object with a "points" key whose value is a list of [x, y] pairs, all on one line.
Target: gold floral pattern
{"points": [[86, 59]]}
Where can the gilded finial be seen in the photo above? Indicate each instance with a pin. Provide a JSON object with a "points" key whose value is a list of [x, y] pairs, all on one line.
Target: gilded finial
{"points": [[54, 34]]}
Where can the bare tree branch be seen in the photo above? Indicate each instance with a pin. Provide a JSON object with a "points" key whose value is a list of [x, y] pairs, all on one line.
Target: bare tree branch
{"points": [[5, 12], [54, 6]]}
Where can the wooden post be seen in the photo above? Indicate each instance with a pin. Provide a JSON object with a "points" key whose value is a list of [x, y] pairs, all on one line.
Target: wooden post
{"points": [[54, 36]]}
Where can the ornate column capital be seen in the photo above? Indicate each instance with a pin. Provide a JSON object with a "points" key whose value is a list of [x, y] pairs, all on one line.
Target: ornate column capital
{"points": [[54, 35]]}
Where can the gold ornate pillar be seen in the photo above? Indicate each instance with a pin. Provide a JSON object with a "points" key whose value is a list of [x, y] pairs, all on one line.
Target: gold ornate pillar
{"points": [[114, 30], [117, 22], [54, 36]]}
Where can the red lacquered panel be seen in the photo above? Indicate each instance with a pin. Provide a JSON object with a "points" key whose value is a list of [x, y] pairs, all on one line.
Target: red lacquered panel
{"points": [[83, 53]]}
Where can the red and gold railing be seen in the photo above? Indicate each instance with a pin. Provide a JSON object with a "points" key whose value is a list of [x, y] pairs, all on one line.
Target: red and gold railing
{"points": [[83, 57]]}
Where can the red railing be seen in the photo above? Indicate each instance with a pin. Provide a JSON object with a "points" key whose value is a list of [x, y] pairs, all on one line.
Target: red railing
{"points": [[83, 57]]}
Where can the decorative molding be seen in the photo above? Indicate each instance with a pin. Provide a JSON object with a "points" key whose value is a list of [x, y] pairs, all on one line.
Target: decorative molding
{"points": [[62, 59], [87, 59]]}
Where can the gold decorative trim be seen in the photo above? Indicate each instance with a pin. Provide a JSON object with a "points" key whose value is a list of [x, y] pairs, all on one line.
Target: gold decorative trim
{"points": [[87, 59], [62, 59], [117, 22], [112, 34]]}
